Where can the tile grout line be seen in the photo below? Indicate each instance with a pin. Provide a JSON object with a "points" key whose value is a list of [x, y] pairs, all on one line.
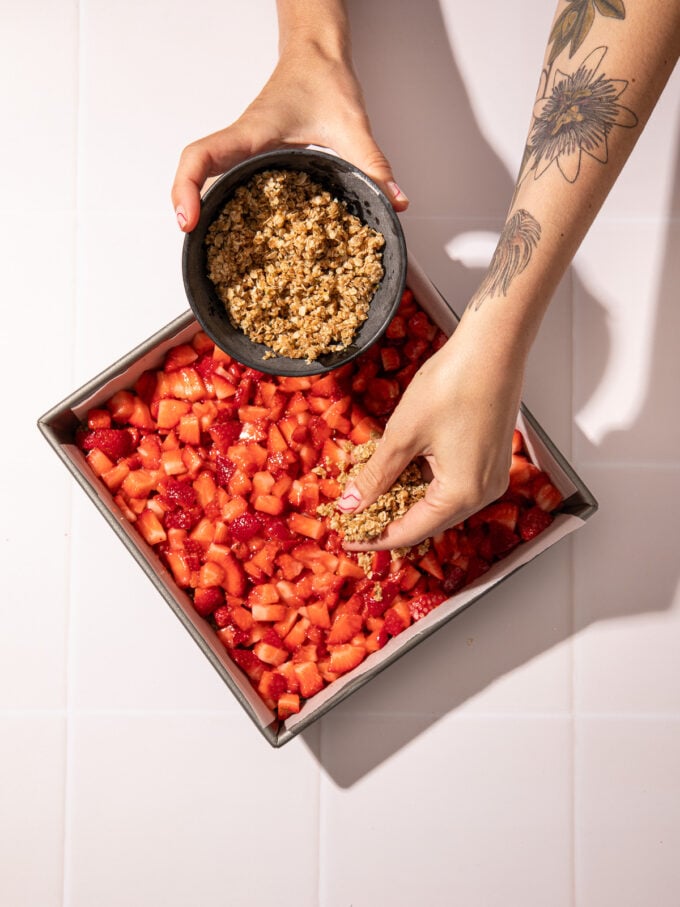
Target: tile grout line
{"points": [[68, 711], [572, 600], [320, 817]]}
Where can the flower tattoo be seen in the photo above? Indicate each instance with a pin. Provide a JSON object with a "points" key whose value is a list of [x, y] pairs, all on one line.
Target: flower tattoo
{"points": [[516, 244], [575, 116]]}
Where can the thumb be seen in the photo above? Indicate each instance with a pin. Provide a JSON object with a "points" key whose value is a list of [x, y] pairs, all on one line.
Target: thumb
{"points": [[361, 149], [375, 477], [207, 157], [192, 171]]}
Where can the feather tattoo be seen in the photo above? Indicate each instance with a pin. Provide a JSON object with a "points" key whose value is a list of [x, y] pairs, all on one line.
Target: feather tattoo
{"points": [[515, 247]]}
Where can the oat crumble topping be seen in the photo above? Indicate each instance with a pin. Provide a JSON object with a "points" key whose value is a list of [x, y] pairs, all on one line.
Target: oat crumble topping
{"points": [[371, 522], [295, 270]]}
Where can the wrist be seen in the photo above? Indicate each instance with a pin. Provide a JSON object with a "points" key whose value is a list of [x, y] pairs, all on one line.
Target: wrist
{"points": [[320, 27]]}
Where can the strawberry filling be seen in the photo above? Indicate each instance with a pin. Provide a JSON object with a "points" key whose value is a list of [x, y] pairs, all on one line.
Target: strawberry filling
{"points": [[222, 470]]}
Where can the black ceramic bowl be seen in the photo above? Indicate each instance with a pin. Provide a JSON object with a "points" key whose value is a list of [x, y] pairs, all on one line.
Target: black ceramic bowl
{"points": [[362, 197]]}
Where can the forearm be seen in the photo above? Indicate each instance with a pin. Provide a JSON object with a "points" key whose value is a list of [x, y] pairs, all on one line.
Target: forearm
{"points": [[321, 22], [600, 81]]}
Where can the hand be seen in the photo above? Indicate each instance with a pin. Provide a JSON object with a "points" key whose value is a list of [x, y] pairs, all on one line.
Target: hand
{"points": [[458, 413], [312, 97]]}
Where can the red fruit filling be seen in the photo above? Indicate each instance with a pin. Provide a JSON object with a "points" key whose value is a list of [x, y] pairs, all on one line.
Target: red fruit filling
{"points": [[222, 468]]}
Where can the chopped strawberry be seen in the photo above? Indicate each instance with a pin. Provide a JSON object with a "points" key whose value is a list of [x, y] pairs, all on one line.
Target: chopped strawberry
{"points": [[346, 657], [423, 604], [246, 526], [207, 600], [114, 442], [502, 540], [454, 578], [225, 433], [533, 522]]}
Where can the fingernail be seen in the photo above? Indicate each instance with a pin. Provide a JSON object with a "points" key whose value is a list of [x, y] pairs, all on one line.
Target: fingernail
{"points": [[350, 499], [396, 193], [181, 215]]}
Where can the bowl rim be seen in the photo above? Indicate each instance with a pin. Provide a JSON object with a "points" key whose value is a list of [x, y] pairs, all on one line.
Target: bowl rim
{"points": [[216, 194]]}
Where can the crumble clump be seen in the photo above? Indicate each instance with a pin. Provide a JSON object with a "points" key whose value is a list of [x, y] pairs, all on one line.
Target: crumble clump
{"points": [[371, 522], [295, 270]]}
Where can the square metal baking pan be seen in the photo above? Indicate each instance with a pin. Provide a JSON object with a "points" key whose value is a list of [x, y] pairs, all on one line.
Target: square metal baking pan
{"points": [[58, 427]]}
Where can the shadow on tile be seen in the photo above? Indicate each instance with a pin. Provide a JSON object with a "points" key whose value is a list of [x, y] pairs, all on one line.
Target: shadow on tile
{"points": [[407, 56], [653, 435]]}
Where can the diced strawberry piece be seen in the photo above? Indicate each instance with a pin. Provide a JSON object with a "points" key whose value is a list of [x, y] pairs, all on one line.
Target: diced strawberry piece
{"points": [[377, 639], [317, 613], [476, 567], [249, 662], [346, 657], [98, 462], [415, 349], [224, 434], [308, 676], [146, 387], [151, 527], [269, 503], [271, 654], [454, 578], [382, 396], [364, 377], [345, 627], [390, 359], [419, 325], [349, 567], [297, 635], [430, 564], [178, 356], [269, 613], [522, 470], [140, 416], [380, 564], [548, 497], [423, 604], [139, 483], [307, 526], [504, 512], [288, 704], [206, 600], [394, 625], [396, 329], [319, 431], [98, 418], [121, 406], [245, 527], [533, 522], [114, 442], [502, 539], [272, 685]]}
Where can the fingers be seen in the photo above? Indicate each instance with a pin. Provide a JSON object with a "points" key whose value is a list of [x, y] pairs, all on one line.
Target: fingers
{"points": [[424, 519], [376, 476], [360, 148], [209, 156], [193, 170]]}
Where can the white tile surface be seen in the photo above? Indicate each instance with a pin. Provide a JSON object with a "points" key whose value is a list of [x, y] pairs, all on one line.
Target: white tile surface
{"points": [[32, 810], [626, 325], [627, 805], [627, 595], [528, 753], [175, 809], [446, 803]]}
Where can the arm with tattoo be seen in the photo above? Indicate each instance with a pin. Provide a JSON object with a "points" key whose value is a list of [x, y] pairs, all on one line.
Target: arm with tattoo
{"points": [[605, 66]]}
